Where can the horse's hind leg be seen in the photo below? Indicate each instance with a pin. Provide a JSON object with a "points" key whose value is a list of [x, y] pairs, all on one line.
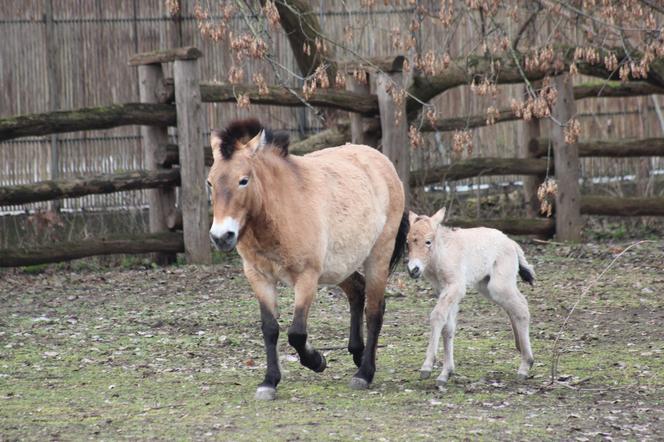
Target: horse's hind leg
{"points": [[376, 269], [305, 289], [354, 287]]}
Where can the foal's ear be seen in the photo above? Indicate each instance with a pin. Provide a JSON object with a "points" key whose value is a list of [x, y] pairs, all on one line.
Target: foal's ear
{"points": [[257, 142], [215, 143], [438, 217], [412, 216]]}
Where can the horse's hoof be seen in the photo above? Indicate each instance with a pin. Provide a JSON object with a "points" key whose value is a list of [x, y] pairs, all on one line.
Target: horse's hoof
{"points": [[424, 374], [358, 384], [266, 394], [441, 382], [322, 366], [520, 377]]}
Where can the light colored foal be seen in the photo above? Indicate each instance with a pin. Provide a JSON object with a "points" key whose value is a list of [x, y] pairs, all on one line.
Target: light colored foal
{"points": [[453, 260]]}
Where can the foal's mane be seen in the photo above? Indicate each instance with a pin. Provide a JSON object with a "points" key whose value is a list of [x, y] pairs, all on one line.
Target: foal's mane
{"points": [[240, 132]]}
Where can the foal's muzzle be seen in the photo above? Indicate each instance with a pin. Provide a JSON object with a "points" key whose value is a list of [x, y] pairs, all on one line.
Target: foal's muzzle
{"points": [[414, 271], [225, 242]]}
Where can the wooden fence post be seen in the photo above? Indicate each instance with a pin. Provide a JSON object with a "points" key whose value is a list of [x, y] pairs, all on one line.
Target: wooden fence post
{"points": [[357, 121], [529, 132], [394, 126], [193, 195], [566, 160], [162, 201]]}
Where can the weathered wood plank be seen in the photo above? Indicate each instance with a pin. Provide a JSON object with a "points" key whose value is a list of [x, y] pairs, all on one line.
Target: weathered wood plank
{"points": [[613, 206], [160, 200], [193, 195], [566, 160], [644, 147], [90, 118], [515, 226], [97, 184], [167, 242], [394, 126], [351, 101], [479, 167], [165, 56]]}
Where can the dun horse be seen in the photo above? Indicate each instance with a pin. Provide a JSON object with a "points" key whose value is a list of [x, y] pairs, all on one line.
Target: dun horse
{"points": [[304, 221]]}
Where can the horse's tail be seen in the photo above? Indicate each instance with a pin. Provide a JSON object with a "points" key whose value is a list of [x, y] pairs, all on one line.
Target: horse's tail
{"points": [[400, 243], [526, 271]]}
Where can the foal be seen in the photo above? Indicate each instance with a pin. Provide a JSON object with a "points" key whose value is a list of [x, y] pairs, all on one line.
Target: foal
{"points": [[452, 260], [304, 221]]}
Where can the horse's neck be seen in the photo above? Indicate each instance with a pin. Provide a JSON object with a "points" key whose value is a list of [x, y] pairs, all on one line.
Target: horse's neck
{"points": [[277, 194]]}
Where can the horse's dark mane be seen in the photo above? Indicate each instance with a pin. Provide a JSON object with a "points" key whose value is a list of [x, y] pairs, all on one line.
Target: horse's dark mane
{"points": [[241, 131]]}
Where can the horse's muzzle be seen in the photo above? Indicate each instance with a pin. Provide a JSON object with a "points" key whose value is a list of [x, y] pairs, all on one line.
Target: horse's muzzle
{"points": [[414, 272], [225, 243]]}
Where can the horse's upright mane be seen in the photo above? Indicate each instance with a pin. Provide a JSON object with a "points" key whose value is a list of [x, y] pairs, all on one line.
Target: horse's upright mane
{"points": [[239, 132]]}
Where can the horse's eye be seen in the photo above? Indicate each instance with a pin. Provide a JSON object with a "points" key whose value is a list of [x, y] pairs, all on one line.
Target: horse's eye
{"points": [[244, 181], [209, 184], [427, 242]]}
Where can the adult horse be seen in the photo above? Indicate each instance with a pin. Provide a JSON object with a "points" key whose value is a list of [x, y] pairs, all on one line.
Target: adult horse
{"points": [[304, 221]]}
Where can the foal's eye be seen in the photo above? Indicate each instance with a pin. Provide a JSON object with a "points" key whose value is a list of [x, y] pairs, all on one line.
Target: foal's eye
{"points": [[244, 181], [209, 184], [428, 242]]}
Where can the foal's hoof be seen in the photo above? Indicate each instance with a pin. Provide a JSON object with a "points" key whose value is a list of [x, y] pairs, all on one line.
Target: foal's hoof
{"points": [[322, 366], [358, 384], [520, 377], [425, 374], [441, 382], [266, 394]]}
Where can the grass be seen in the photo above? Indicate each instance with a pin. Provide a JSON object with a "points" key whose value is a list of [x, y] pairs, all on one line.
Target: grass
{"points": [[176, 353]]}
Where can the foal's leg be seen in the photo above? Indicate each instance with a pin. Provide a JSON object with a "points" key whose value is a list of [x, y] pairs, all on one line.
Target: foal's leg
{"points": [[508, 296], [266, 293], [448, 346], [354, 287], [305, 289], [448, 302]]}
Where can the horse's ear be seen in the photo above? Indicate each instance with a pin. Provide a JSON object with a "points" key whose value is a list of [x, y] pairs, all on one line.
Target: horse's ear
{"points": [[215, 144], [412, 216], [257, 142], [438, 217]]}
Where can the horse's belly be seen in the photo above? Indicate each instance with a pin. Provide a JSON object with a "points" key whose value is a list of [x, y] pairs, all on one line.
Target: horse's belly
{"points": [[346, 253]]}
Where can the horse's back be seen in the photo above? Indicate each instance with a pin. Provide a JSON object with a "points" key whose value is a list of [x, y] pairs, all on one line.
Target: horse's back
{"points": [[360, 194]]}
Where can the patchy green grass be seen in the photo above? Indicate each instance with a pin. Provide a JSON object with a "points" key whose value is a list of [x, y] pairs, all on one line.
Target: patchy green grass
{"points": [[176, 353]]}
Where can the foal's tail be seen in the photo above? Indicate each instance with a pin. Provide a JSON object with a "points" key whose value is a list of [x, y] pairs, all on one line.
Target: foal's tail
{"points": [[526, 271], [400, 243]]}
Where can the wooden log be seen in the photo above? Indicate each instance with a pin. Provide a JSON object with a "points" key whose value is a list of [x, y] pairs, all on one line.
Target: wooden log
{"points": [[388, 64], [467, 122], [644, 147], [596, 89], [160, 200], [193, 195], [479, 167], [613, 206], [566, 160], [516, 226], [165, 56], [357, 102], [167, 242], [394, 126], [97, 184], [91, 118]]}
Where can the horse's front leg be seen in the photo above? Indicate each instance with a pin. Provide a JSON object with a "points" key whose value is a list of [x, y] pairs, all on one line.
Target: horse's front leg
{"points": [[266, 292], [305, 289]]}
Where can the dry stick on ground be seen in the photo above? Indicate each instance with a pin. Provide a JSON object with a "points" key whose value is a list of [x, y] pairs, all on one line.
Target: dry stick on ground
{"points": [[556, 351]]}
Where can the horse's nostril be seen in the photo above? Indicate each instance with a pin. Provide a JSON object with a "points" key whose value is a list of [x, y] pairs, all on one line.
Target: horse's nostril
{"points": [[228, 236]]}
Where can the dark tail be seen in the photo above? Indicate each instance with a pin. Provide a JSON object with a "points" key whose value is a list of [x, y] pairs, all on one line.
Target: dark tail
{"points": [[400, 243], [526, 275]]}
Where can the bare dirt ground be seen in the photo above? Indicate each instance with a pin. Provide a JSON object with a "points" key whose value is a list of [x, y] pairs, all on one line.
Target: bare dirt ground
{"points": [[176, 353]]}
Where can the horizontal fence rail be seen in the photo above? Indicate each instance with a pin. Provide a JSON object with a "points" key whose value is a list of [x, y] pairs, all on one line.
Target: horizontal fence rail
{"points": [[167, 242], [99, 184]]}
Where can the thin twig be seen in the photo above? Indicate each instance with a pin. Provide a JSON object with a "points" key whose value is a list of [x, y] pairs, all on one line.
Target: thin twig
{"points": [[556, 351]]}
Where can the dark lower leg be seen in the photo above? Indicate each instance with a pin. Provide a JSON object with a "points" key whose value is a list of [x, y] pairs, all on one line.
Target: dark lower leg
{"points": [[354, 289], [270, 328], [297, 338], [374, 325]]}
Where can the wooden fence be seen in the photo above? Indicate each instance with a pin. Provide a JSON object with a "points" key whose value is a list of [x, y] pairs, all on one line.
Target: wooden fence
{"points": [[177, 102]]}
